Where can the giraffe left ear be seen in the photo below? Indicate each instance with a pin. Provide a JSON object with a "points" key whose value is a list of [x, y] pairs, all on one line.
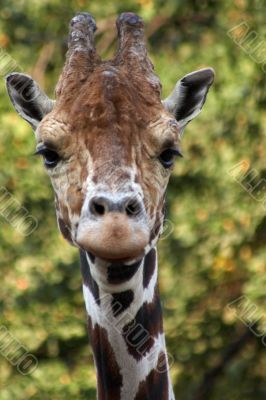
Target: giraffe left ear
{"points": [[189, 95], [28, 99]]}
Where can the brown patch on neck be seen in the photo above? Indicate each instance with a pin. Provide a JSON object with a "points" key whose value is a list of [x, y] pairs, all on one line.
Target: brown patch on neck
{"points": [[117, 274], [156, 385], [121, 301], [149, 267], [140, 333], [87, 278], [109, 379]]}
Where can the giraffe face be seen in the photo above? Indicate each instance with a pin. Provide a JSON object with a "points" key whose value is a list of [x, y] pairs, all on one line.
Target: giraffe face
{"points": [[114, 147], [108, 141]]}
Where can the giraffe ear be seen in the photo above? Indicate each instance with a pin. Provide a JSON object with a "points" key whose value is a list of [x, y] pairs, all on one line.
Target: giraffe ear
{"points": [[28, 99], [189, 95]]}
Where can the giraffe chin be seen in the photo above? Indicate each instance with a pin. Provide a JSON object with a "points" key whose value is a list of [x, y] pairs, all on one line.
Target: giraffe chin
{"points": [[114, 238]]}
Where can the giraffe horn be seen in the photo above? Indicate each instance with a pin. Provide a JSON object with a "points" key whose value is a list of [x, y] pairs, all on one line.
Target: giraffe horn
{"points": [[132, 50], [81, 57]]}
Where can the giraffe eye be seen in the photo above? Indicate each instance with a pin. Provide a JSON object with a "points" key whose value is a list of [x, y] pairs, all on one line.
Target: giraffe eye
{"points": [[51, 158], [167, 157]]}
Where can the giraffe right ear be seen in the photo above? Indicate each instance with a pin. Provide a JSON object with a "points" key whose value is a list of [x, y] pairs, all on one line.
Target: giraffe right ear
{"points": [[189, 95], [29, 100]]}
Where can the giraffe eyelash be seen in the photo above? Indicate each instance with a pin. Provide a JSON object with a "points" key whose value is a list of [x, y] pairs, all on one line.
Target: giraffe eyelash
{"points": [[167, 157], [51, 157]]}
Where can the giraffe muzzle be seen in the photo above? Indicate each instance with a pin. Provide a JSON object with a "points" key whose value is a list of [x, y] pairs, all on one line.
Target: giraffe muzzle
{"points": [[114, 227]]}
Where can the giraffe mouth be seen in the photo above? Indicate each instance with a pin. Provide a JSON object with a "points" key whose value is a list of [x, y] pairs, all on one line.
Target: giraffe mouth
{"points": [[115, 238], [115, 262]]}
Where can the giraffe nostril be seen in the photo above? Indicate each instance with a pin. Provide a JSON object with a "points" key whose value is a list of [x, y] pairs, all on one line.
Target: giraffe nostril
{"points": [[97, 208], [130, 209], [133, 208]]}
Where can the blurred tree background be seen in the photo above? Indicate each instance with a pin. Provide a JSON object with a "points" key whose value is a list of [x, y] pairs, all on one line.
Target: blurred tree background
{"points": [[215, 251]]}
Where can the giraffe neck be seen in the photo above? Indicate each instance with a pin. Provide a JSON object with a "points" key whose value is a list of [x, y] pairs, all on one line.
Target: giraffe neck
{"points": [[126, 329]]}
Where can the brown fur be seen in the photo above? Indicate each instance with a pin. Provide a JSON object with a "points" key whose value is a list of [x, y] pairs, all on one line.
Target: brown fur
{"points": [[155, 386], [108, 375], [146, 326]]}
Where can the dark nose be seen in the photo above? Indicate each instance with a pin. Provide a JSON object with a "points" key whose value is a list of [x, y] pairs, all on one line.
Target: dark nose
{"points": [[129, 205]]}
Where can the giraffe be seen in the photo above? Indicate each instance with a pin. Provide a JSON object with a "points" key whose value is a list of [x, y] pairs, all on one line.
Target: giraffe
{"points": [[109, 144]]}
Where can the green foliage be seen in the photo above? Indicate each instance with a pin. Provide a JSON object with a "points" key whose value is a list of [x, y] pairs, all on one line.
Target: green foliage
{"points": [[216, 251]]}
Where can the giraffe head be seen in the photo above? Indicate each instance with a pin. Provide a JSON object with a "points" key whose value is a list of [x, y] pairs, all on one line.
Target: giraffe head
{"points": [[108, 140]]}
